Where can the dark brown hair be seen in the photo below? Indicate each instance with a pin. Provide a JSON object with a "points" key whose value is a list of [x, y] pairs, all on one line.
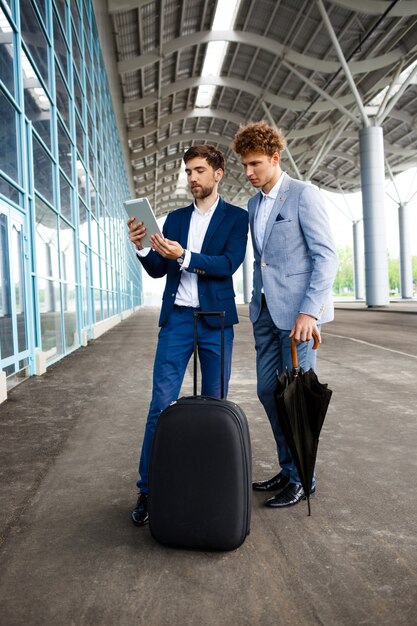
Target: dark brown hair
{"points": [[259, 137], [213, 156]]}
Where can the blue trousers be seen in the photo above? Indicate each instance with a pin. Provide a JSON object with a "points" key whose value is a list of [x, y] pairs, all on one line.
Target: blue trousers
{"points": [[273, 354], [174, 350]]}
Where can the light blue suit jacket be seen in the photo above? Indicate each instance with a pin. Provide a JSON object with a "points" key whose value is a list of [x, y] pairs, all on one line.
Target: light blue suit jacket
{"points": [[298, 263]]}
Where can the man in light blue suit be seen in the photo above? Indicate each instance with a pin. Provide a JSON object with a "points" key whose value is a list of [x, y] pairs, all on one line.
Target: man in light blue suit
{"points": [[202, 246], [295, 263]]}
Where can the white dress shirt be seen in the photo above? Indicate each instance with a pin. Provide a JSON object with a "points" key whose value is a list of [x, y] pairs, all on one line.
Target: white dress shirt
{"points": [[264, 210], [187, 294]]}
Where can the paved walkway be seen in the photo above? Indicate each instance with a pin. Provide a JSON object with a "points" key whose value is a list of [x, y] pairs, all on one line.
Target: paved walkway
{"points": [[69, 555]]}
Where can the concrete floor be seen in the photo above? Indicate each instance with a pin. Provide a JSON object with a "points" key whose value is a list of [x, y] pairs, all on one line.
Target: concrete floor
{"points": [[69, 555]]}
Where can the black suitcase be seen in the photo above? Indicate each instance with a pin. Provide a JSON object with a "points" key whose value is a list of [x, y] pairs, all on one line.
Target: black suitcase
{"points": [[200, 479]]}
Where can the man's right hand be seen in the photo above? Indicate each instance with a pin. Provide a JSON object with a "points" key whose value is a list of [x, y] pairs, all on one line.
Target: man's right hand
{"points": [[136, 232]]}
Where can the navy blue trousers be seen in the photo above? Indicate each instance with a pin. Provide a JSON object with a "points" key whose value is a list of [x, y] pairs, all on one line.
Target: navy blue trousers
{"points": [[174, 350]]}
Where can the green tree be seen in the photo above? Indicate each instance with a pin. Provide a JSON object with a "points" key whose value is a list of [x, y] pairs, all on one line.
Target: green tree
{"points": [[394, 276], [343, 284]]}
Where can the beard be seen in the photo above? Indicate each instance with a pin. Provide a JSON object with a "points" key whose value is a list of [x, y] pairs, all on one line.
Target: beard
{"points": [[202, 191]]}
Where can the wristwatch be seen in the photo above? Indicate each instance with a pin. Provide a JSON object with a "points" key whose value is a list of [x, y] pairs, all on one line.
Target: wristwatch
{"points": [[181, 258]]}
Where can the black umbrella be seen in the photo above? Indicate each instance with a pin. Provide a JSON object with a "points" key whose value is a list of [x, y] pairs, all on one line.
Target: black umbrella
{"points": [[302, 403]]}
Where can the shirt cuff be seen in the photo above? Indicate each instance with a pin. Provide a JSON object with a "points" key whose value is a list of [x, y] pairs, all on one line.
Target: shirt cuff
{"points": [[187, 260], [142, 253]]}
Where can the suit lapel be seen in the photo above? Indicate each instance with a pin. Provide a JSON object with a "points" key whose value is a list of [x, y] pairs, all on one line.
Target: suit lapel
{"points": [[253, 209], [185, 224], [215, 221], [277, 206]]}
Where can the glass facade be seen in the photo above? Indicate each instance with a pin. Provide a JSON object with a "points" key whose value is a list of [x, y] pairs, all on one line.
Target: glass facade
{"points": [[65, 259]]}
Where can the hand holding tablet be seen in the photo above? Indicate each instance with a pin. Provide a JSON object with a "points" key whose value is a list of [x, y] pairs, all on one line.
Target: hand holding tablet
{"points": [[141, 210]]}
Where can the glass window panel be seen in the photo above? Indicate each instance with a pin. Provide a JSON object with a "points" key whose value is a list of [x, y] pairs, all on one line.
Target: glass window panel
{"points": [[18, 287], [70, 315], [86, 14], [6, 323], [6, 53], [8, 151], [89, 93], [82, 180], [79, 132], [9, 191], [64, 151], [105, 297], [37, 104], [65, 195], [93, 199], [60, 5], [103, 273], [42, 9], [76, 18], [94, 235], [46, 240], [66, 234], [76, 53], [84, 290], [87, 59], [34, 38], [95, 270], [50, 317], [62, 97], [61, 50], [97, 305], [90, 129], [83, 222], [91, 161], [42, 168], [78, 95]]}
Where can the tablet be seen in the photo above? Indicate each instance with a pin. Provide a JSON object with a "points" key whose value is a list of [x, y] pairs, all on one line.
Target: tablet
{"points": [[141, 210]]}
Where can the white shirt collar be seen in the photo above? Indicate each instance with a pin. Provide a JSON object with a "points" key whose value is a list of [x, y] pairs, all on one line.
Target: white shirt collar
{"points": [[211, 209]]}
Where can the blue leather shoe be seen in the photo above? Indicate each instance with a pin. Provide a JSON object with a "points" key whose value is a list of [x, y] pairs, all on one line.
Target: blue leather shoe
{"points": [[140, 515]]}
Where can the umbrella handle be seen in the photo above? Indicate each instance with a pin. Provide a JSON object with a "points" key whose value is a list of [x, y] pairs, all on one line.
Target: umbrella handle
{"points": [[294, 355]]}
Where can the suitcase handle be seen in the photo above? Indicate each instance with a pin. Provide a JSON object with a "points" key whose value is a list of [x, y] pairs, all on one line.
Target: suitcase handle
{"points": [[220, 314]]}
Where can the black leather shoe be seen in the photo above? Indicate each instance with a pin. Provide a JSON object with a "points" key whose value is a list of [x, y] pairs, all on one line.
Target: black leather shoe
{"points": [[140, 515], [276, 483], [292, 494]]}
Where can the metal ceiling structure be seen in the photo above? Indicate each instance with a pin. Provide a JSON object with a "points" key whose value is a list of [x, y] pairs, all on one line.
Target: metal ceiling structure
{"points": [[312, 67]]}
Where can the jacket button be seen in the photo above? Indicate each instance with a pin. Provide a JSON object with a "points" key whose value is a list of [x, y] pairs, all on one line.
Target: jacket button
{"points": [[263, 264]]}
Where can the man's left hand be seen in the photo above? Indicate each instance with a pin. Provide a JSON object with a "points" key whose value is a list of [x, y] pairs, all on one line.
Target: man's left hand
{"points": [[304, 327], [166, 248]]}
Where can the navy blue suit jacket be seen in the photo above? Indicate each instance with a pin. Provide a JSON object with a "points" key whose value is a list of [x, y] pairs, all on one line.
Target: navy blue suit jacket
{"points": [[223, 250]]}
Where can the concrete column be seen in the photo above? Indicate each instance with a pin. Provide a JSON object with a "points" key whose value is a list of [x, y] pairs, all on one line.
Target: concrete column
{"points": [[247, 269], [358, 260], [406, 264], [372, 180]]}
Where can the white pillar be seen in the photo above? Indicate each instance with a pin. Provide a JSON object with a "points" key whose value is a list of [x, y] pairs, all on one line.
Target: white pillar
{"points": [[358, 260], [406, 264], [372, 181]]}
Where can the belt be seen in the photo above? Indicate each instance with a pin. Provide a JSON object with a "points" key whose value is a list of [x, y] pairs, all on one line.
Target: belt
{"points": [[178, 307]]}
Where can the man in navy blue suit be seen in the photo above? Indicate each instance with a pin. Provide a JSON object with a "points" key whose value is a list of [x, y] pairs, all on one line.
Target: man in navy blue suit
{"points": [[202, 246]]}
